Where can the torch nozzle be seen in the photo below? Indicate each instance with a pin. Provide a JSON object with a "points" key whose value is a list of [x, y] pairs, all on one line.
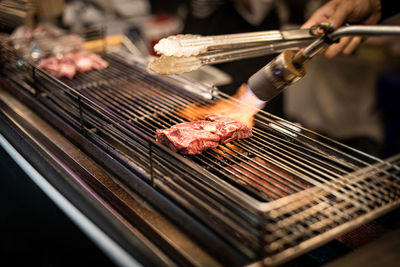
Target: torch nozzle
{"points": [[276, 75]]}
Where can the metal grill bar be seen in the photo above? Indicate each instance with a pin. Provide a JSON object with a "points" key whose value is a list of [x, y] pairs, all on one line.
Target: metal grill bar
{"points": [[324, 216], [121, 103], [321, 171], [174, 121], [238, 243], [158, 123]]}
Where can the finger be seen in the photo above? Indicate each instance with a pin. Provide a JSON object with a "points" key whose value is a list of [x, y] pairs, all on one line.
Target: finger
{"points": [[336, 49], [352, 45], [314, 19], [320, 15], [342, 11]]}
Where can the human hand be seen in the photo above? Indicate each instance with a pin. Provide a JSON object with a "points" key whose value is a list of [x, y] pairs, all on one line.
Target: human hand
{"points": [[338, 12]]}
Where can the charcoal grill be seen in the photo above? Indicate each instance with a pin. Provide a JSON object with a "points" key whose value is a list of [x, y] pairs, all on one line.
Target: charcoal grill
{"points": [[264, 200]]}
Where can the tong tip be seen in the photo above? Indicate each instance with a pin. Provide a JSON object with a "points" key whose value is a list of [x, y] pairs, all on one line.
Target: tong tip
{"points": [[174, 65], [181, 45]]}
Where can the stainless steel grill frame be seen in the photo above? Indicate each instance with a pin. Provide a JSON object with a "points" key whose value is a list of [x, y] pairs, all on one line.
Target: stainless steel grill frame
{"points": [[311, 190]]}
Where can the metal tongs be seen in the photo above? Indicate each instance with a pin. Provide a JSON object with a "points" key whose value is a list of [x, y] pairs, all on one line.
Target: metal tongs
{"points": [[184, 53]]}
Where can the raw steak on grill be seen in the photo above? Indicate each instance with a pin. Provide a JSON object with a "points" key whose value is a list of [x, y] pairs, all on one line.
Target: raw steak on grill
{"points": [[194, 137], [188, 137], [229, 129]]}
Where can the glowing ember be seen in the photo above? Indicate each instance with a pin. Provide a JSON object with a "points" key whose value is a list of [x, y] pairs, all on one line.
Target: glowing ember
{"points": [[243, 107]]}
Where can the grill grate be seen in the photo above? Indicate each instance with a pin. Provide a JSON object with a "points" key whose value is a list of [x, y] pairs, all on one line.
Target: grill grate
{"points": [[272, 197], [295, 165]]}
